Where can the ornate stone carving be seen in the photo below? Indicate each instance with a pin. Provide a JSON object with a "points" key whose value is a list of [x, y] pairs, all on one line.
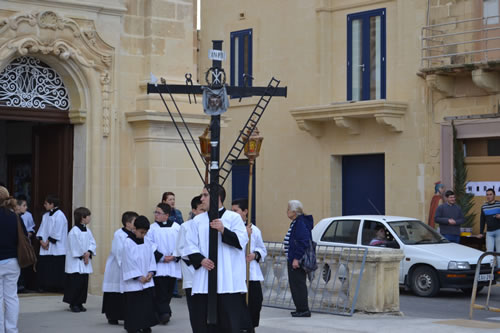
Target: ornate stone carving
{"points": [[49, 36], [27, 82]]}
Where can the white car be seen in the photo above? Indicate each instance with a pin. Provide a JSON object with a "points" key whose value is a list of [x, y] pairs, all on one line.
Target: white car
{"points": [[431, 262]]}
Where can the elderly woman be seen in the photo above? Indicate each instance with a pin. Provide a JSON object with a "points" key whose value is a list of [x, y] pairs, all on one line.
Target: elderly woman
{"points": [[9, 267], [296, 242]]}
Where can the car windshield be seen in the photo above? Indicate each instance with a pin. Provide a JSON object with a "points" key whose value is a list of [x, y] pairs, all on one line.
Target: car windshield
{"points": [[416, 232]]}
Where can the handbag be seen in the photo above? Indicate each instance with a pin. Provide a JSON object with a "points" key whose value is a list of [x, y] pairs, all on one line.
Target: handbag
{"points": [[25, 253], [308, 260]]}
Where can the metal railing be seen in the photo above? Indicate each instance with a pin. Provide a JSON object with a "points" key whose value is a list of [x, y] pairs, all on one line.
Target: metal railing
{"points": [[469, 41], [484, 277], [334, 287]]}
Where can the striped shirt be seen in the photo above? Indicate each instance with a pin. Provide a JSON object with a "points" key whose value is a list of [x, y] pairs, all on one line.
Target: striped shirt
{"points": [[286, 241], [488, 216]]}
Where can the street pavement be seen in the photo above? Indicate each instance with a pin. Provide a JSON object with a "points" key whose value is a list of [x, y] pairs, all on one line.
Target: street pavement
{"points": [[47, 313]]}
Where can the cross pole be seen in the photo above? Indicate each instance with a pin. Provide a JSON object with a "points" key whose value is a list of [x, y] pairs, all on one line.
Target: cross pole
{"points": [[213, 212]]}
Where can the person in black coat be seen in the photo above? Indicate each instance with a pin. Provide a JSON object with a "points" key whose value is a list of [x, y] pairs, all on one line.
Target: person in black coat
{"points": [[296, 242], [9, 267]]}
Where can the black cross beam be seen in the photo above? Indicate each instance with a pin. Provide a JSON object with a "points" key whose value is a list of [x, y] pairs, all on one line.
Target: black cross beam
{"points": [[153, 88]]}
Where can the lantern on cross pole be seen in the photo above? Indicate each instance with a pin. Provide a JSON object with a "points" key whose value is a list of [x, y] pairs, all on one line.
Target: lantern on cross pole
{"points": [[252, 150], [205, 149]]}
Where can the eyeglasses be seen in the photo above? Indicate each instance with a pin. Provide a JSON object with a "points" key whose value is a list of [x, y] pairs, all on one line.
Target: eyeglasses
{"points": [[158, 213]]}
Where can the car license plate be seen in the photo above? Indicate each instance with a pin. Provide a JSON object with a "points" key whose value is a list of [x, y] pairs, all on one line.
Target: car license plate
{"points": [[485, 277]]}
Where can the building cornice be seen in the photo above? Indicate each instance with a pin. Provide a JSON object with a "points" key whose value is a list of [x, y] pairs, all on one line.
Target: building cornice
{"points": [[347, 115]]}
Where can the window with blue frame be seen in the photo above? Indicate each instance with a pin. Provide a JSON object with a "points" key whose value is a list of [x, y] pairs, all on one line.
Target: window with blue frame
{"points": [[241, 57], [366, 58]]}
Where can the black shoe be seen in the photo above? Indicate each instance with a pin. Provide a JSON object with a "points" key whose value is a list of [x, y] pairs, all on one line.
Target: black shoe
{"points": [[146, 330], [113, 322], [74, 308], [82, 309], [177, 296], [302, 314], [293, 312], [165, 318]]}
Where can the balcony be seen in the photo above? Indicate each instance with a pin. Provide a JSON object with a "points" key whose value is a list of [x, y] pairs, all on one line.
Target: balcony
{"points": [[468, 47]]}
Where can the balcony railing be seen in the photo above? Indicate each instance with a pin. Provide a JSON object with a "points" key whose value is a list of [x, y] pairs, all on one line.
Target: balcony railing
{"points": [[461, 43]]}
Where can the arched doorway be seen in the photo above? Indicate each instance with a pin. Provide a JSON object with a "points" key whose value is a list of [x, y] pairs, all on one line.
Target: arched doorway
{"points": [[36, 148]]}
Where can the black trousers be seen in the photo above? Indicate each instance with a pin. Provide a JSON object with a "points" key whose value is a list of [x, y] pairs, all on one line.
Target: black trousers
{"points": [[189, 301], [164, 289], [50, 271], [76, 288], [231, 310], [298, 287], [113, 305], [255, 301], [139, 310]]}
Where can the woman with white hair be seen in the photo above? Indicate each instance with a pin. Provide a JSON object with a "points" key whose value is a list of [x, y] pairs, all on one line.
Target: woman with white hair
{"points": [[9, 267], [296, 242]]}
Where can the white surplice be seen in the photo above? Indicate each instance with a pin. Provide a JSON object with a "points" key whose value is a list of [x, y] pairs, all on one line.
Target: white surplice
{"points": [[77, 244], [137, 260], [231, 265], [28, 221], [112, 272], [187, 270], [165, 239], [257, 244], [56, 227]]}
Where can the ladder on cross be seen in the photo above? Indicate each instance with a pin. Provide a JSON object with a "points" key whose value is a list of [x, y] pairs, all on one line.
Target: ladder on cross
{"points": [[250, 125]]}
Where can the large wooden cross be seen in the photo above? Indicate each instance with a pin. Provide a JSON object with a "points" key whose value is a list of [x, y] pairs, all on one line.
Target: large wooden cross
{"points": [[216, 73]]}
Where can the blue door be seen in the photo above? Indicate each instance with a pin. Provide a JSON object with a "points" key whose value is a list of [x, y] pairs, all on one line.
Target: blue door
{"points": [[363, 184], [240, 183]]}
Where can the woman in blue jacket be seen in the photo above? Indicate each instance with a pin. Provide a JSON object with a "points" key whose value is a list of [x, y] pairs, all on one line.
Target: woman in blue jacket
{"points": [[296, 242]]}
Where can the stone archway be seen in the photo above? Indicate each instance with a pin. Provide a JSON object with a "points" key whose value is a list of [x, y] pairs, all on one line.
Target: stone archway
{"points": [[74, 49]]}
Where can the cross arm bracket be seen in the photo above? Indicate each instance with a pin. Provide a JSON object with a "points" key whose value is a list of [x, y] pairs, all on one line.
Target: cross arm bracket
{"points": [[231, 90]]}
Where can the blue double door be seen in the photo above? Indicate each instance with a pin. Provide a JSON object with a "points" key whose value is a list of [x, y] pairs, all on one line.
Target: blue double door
{"points": [[363, 184]]}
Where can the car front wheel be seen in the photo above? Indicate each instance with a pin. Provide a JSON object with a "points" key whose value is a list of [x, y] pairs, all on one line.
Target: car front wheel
{"points": [[424, 282]]}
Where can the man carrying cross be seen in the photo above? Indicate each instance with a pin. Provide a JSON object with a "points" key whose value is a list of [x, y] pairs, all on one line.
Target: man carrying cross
{"points": [[230, 267]]}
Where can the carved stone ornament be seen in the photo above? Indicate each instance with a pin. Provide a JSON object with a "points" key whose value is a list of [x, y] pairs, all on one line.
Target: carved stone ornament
{"points": [[28, 83], [48, 33]]}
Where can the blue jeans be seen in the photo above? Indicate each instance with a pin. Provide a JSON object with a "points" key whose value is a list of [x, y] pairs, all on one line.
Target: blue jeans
{"points": [[493, 243], [452, 238]]}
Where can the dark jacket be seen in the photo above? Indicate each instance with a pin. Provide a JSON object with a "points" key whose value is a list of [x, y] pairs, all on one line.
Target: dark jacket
{"points": [[300, 236], [8, 234]]}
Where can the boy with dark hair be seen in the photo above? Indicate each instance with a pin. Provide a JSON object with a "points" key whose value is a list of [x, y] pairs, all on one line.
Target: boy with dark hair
{"points": [[163, 233], [138, 269], [80, 248], [25, 215], [113, 302], [52, 234], [256, 255], [186, 267]]}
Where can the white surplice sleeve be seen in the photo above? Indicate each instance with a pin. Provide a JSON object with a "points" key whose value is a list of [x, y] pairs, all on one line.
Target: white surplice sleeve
{"points": [[92, 244], [58, 227], [259, 244]]}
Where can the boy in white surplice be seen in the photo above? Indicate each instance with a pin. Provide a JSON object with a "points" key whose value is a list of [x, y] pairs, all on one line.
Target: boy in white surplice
{"points": [[231, 268], [113, 301], [163, 233], [138, 269], [80, 247]]}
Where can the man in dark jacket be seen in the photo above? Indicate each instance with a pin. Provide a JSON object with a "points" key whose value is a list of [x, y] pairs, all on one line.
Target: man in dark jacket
{"points": [[449, 216], [296, 242]]}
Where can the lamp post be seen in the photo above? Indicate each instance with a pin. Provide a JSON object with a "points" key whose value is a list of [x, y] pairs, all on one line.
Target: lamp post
{"points": [[251, 150], [205, 149]]}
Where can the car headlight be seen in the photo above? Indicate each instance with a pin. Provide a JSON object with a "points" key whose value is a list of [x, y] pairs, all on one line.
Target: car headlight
{"points": [[458, 265]]}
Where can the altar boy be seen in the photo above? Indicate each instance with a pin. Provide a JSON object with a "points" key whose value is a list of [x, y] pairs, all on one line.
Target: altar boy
{"points": [[138, 269], [80, 247], [163, 234], [113, 301]]}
